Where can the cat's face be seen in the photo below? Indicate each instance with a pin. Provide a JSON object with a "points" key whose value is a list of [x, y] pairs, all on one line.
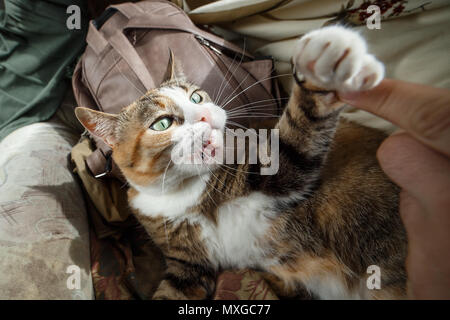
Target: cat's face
{"points": [[171, 133]]}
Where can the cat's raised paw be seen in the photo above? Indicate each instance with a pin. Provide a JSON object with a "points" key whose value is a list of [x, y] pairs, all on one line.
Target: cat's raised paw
{"points": [[335, 58]]}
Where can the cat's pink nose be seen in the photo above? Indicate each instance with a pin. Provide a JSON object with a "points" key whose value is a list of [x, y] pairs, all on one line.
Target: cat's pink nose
{"points": [[205, 116], [215, 118]]}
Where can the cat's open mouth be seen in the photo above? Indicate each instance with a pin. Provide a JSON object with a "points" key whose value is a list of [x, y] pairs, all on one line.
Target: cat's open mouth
{"points": [[211, 146], [209, 149]]}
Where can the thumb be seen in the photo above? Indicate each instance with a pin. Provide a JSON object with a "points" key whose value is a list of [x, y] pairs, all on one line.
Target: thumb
{"points": [[422, 111]]}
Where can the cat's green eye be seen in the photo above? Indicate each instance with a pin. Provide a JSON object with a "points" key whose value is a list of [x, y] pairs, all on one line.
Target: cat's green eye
{"points": [[161, 124], [196, 98]]}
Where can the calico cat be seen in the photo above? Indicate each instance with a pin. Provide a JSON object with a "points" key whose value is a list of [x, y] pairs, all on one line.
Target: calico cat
{"points": [[315, 227]]}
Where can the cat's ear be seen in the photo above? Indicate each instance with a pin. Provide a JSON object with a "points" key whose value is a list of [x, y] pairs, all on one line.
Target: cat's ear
{"points": [[99, 124], [173, 71]]}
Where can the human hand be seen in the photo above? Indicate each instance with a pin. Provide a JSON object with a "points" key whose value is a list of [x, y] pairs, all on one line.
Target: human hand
{"points": [[418, 160]]}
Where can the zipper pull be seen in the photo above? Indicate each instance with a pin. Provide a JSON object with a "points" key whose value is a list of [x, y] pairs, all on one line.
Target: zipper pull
{"points": [[206, 43]]}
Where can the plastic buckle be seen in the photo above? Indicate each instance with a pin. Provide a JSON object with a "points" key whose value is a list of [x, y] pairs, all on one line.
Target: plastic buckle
{"points": [[108, 165]]}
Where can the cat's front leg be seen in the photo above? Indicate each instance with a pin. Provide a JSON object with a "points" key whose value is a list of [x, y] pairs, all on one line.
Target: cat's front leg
{"points": [[325, 61], [186, 281]]}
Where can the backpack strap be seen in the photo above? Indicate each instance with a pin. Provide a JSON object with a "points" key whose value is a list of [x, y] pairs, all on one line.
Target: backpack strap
{"points": [[175, 22], [178, 20], [129, 9], [126, 50], [121, 44], [95, 39]]}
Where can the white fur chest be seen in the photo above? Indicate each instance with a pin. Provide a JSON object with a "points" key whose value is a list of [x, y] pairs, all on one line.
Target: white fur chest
{"points": [[154, 202], [238, 238]]}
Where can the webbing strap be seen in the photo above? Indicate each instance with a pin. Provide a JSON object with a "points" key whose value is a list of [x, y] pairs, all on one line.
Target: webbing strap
{"points": [[126, 50]]}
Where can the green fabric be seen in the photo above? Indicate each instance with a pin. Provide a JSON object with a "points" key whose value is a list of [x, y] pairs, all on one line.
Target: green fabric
{"points": [[37, 52]]}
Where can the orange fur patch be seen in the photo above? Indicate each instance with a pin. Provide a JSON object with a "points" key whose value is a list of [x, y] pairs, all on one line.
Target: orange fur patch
{"points": [[306, 267]]}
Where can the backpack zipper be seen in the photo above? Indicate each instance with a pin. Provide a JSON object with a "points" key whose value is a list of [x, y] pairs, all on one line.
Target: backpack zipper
{"points": [[220, 63], [208, 44]]}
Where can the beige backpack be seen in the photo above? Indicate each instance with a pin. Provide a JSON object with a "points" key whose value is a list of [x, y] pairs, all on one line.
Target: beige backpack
{"points": [[127, 54]]}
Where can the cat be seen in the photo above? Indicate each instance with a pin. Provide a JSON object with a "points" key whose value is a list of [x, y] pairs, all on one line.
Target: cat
{"points": [[315, 227]]}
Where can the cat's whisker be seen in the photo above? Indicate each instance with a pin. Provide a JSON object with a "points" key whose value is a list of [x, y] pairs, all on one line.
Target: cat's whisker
{"points": [[249, 112], [216, 179], [237, 125], [245, 78], [259, 109], [162, 191], [167, 235], [225, 80], [222, 166], [255, 104], [251, 115], [206, 182], [232, 73], [256, 115], [237, 87], [164, 176], [246, 111], [219, 92], [254, 84]]}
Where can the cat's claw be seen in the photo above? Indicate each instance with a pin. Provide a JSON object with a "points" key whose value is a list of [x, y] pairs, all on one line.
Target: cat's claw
{"points": [[335, 58]]}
